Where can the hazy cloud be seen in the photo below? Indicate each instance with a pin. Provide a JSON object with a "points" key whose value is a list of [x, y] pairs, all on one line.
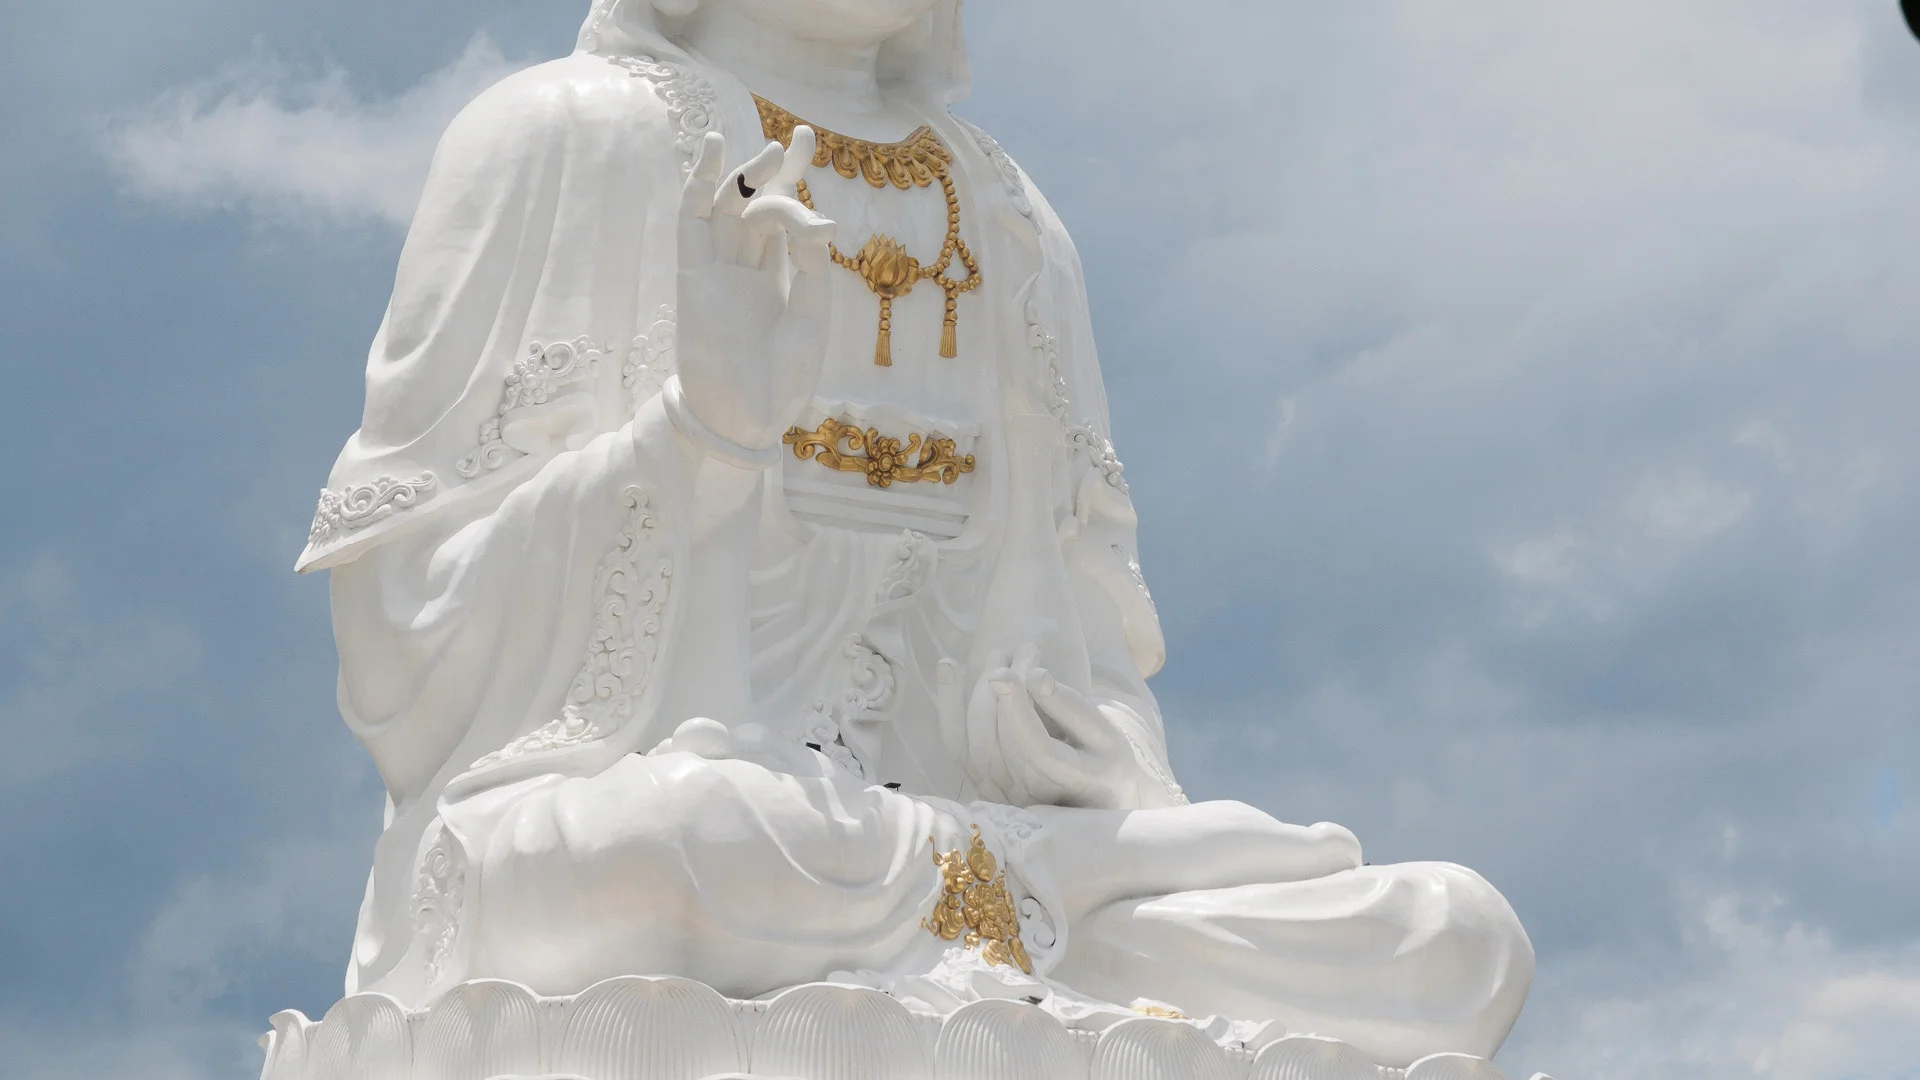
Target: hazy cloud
{"points": [[265, 137], [1543, 496], [66, 662], [1767, 998]]}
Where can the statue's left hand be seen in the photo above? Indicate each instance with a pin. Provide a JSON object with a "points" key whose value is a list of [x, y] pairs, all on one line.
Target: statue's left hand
{"points": [[1004, 732]]}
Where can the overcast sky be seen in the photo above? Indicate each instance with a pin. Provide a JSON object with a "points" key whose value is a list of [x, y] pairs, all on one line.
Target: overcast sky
{"points": [[1519, 398]]}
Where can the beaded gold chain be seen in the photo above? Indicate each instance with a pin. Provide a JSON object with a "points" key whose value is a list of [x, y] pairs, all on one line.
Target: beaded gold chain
{"points": [[889, 271]]}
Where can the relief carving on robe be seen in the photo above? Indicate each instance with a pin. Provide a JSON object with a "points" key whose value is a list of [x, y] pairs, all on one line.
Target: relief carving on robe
{"points": [[632, 667]]}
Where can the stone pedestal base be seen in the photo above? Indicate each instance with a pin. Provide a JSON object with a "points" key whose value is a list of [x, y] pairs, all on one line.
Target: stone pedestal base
{"points": [[674, 1029]]}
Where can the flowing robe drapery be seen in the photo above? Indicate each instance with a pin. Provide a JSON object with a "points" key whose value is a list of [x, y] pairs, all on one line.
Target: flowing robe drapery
{"points": [[466, 619], [519, 547]]}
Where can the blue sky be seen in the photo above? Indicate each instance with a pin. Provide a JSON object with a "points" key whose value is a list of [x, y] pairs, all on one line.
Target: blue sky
{"points": [[1518, 399]]}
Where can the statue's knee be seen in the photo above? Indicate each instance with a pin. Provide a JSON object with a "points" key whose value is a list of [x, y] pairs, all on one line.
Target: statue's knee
{"points": [[1471, 894], [561, 848], [1484, 941], [1231, 812], [601, 851]]}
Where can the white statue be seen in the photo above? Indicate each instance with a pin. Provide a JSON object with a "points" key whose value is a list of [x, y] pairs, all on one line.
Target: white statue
{"points": [[733, 535]]}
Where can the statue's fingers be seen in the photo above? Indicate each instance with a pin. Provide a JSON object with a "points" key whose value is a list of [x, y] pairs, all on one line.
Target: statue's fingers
{"points": [[695, 235], [768, 214], [812, 248], [1001, 765], [709, 161], [736, 192], [1043, 767], [1000, 686], [795, 162], [983, 742], [746, 181], [767, 165], [1026, 658], [1079, 718], [770, 218], [1013, 772], [809, 293]]}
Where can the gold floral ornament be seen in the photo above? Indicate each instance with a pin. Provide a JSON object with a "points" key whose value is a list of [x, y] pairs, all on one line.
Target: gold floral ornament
{"points": [[883, 458], [890, 272], [975, 907]]}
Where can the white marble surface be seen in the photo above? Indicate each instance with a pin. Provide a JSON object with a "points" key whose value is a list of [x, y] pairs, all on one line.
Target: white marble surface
{"points": [[653, 696], [672, 1029]]}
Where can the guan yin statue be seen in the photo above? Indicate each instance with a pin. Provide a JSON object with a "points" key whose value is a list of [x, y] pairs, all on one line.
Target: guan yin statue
{"points": [[735, 585]]}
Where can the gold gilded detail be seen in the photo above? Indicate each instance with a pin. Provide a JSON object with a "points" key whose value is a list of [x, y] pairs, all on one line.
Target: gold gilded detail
{"points": [[1161, 1011], [975, 907], [914, 161], [883, 458], [918, 160]]}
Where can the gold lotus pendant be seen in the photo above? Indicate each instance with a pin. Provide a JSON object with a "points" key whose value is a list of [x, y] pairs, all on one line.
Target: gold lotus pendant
{"points": [[889, 272], [919, 160]]}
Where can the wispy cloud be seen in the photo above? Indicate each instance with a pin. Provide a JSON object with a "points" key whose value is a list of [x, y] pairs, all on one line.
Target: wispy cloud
{"points": [[204, 950], [72, 659], [1518, 402], [273, 141], [1766, 997]]}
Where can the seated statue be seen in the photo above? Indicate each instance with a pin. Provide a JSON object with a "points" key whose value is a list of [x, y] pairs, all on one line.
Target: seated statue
{"points": [[733, 577]]}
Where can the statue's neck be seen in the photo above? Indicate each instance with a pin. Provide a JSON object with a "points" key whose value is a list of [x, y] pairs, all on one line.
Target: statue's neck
{"points": [[835, 84]]}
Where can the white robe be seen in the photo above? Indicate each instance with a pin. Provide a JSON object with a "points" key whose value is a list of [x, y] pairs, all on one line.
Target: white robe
{"points": [[521, 557]]}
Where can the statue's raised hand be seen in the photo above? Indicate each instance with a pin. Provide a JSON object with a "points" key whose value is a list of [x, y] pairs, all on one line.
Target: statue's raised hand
{"points": [[1027, 739], [751, 337]]}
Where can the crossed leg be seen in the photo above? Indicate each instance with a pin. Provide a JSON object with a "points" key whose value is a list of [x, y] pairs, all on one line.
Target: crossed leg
{"points": [[1218, 908]]}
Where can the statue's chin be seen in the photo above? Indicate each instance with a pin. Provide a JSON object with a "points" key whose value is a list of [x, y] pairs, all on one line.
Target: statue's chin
{"points": [[838, 22]]}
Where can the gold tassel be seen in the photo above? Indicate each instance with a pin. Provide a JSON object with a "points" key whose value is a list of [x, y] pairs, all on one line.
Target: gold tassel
{"points": [[883, 345], [918, 161]]}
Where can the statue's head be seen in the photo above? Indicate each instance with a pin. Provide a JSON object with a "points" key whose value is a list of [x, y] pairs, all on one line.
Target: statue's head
{"points": [[921, 48]]}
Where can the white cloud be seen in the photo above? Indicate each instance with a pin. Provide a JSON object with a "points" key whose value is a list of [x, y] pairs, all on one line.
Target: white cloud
{"points": [[123, 1047], [206, 945], [1282, 424], [1684, 505], [1600, 314], [1595, 318], [1544, 561], [1757, 996], [265, 138], [211, 932], [79, 660]]}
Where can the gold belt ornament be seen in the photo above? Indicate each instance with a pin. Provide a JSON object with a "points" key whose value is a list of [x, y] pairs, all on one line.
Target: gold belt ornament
{"points": [[883, 458], [889, 271], [975, 907]]}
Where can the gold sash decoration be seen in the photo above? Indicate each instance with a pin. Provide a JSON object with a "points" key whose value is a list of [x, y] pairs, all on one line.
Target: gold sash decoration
{"points": [[883, 458], [889, 271], [975, 907]]}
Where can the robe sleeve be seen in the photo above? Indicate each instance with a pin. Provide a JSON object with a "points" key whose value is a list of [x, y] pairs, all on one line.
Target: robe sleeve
{"points": [[530, 269], [537, 263], [503, 528]]}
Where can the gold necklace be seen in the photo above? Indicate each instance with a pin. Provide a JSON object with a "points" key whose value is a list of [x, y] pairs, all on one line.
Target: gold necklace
{"points": [[915, 161]]}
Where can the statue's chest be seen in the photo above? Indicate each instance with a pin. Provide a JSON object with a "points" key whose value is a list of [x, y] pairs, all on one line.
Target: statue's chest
{"points": [[910, 323], [894, 436]]}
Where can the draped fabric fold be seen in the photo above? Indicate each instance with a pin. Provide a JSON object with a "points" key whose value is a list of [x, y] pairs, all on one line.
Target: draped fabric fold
{"points": [[523, 542]]}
